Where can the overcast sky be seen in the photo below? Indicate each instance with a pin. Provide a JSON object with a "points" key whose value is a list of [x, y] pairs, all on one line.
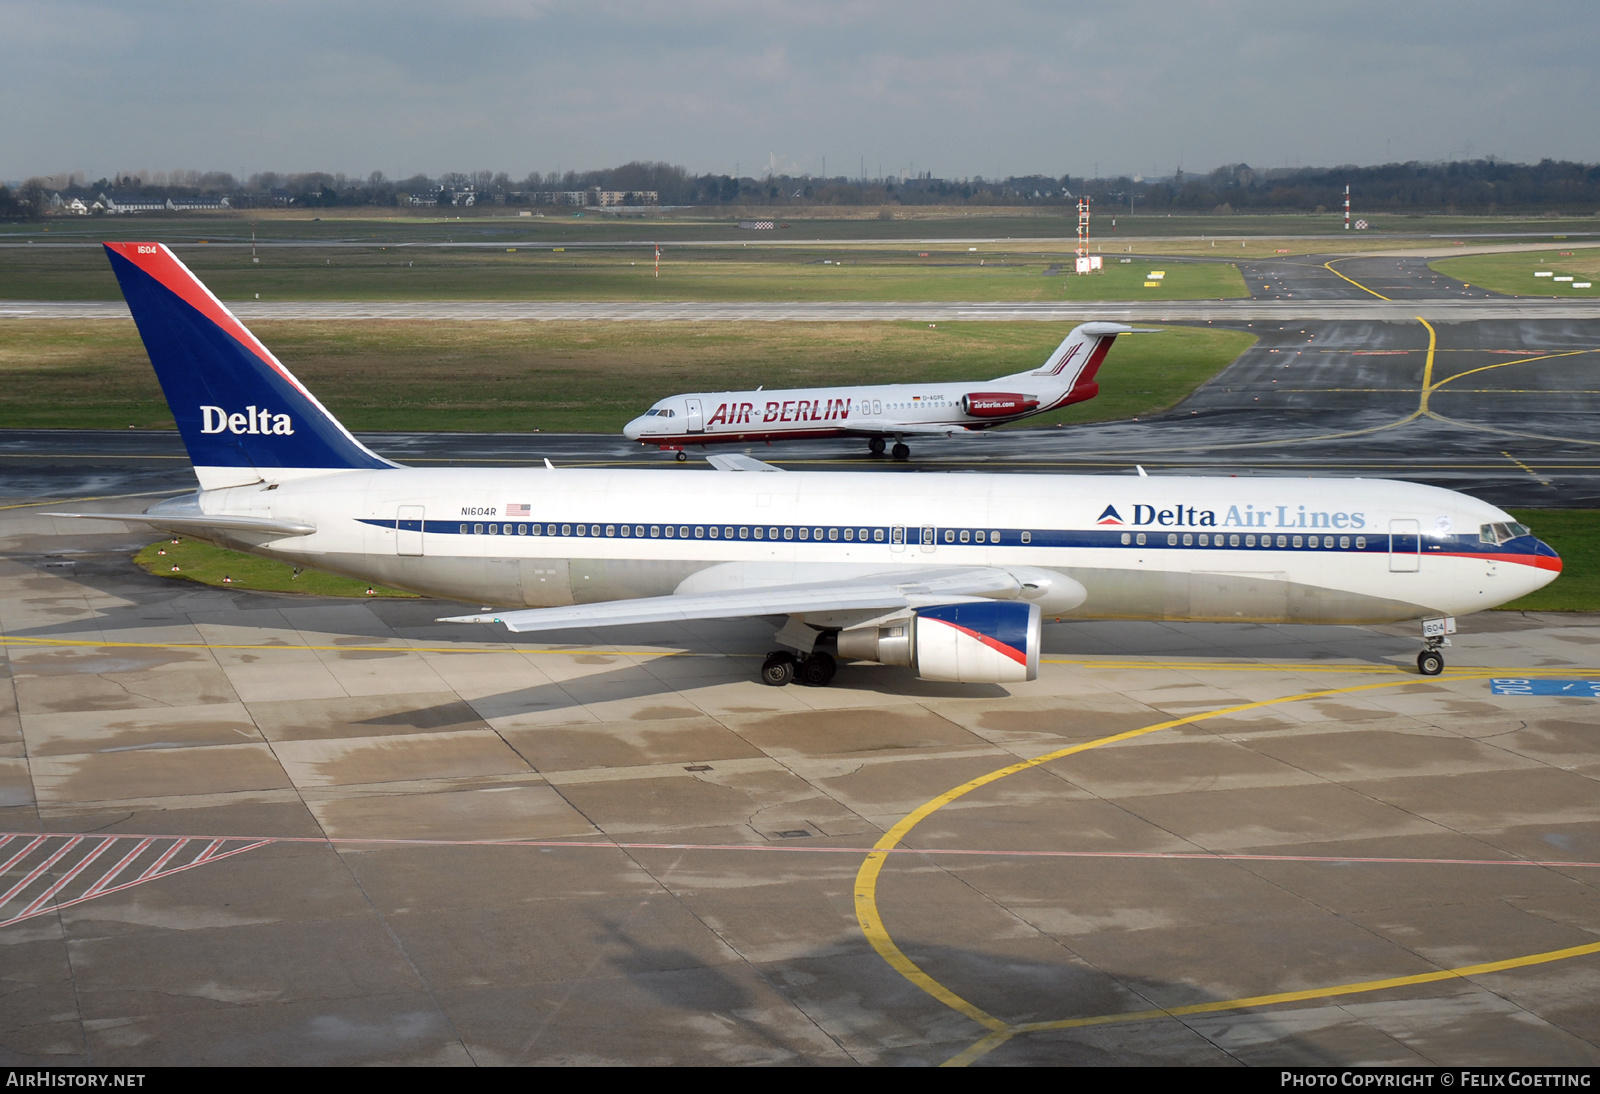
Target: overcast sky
{"points": [[996, 87]]}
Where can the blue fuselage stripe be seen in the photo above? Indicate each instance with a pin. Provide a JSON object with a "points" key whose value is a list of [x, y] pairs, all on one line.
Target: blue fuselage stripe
{"points": [[917, 536]]}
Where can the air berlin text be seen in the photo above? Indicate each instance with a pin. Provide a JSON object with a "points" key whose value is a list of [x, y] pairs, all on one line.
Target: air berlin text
{"points": [[792, 410]]}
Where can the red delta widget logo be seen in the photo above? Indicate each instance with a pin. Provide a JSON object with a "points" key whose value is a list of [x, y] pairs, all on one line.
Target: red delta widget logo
{"points": [[1274, 516], [253, 419], [791, 410]]}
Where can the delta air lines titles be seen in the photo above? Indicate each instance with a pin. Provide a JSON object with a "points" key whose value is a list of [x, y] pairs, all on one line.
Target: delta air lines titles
{"points": [[1276, 516]]}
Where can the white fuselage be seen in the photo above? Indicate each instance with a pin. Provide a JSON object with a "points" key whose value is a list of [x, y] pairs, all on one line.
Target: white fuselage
{"points": [[1267, 550], [733, 416], [881, 410]]}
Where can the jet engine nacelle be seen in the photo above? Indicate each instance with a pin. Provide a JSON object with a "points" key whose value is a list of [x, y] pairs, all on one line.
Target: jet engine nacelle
{"points": [[996, 404], [984, 642]]}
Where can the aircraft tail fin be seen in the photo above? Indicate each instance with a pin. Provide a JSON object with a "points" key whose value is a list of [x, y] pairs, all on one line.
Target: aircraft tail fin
{"points": [[243, 417], [1070, 370]]}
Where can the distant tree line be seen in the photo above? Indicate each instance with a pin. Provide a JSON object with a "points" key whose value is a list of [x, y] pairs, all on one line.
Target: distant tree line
{"points": [[1477, 186]]}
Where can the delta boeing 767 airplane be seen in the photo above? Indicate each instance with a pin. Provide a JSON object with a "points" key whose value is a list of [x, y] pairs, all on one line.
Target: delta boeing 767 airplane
{"points": [[949, 575]]}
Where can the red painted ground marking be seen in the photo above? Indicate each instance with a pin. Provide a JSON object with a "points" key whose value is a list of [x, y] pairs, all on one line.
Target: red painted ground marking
{"points": [[39, 901], [58, 894]]}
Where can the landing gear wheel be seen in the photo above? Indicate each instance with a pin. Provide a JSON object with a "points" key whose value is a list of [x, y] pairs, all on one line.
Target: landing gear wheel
{"points": [[778, 669], [816, 670], [900, 451], [1430, 662], [875, 446], [682, 456]]}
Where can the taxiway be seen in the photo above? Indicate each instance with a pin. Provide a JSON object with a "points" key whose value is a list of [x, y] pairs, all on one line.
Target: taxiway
{"points": [[252, 828]]}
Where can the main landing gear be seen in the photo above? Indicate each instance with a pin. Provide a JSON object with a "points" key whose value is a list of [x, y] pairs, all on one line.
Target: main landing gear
{"points": [[901, 451], [814, 670]]}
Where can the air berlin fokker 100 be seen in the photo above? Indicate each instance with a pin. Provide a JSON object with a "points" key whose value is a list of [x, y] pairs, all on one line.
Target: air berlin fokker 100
{"points": [[883, 411]]}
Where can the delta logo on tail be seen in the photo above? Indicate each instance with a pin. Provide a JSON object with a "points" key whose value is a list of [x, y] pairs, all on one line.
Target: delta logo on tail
{"points": [[1110, 516]]}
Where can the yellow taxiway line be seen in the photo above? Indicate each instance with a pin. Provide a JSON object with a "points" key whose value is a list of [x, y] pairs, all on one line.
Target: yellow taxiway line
{"points": [[999, 1030]]}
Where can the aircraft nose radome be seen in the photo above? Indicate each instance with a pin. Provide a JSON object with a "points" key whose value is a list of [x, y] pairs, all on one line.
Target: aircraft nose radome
{"points": [[633, 429], [1546, 554]]}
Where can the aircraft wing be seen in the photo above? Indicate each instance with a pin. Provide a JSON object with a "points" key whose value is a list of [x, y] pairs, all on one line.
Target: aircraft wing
{"points": [[911, 587]]}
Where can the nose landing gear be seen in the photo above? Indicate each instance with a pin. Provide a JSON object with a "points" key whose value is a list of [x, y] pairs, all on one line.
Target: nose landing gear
{"points": [[1430, 662]]}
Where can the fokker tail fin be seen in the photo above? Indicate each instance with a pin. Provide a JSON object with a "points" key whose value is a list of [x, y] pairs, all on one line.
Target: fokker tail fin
{"points": [[244, 417], [1067, 375]]}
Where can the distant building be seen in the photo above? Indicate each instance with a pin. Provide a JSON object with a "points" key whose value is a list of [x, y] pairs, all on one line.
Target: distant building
{"points": [[595, 196], [147, 205]]}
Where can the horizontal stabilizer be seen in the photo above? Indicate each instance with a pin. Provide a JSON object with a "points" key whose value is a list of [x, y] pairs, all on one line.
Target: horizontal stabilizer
{"points": [[200, 524], [739, 462]]}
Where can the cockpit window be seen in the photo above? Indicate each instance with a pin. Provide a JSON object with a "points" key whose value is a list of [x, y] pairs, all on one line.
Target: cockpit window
{"points": [[1500, 533], [658, 412]]}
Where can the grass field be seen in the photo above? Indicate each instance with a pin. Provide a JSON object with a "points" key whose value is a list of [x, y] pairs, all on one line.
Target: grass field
{"points": [[1574, 533], [520, 377], [188, 560], [616, 273], [1512, 274]]}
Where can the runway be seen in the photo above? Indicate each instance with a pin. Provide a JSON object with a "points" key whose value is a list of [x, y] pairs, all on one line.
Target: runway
{"points": [[245, 828], [1276, 307]]}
